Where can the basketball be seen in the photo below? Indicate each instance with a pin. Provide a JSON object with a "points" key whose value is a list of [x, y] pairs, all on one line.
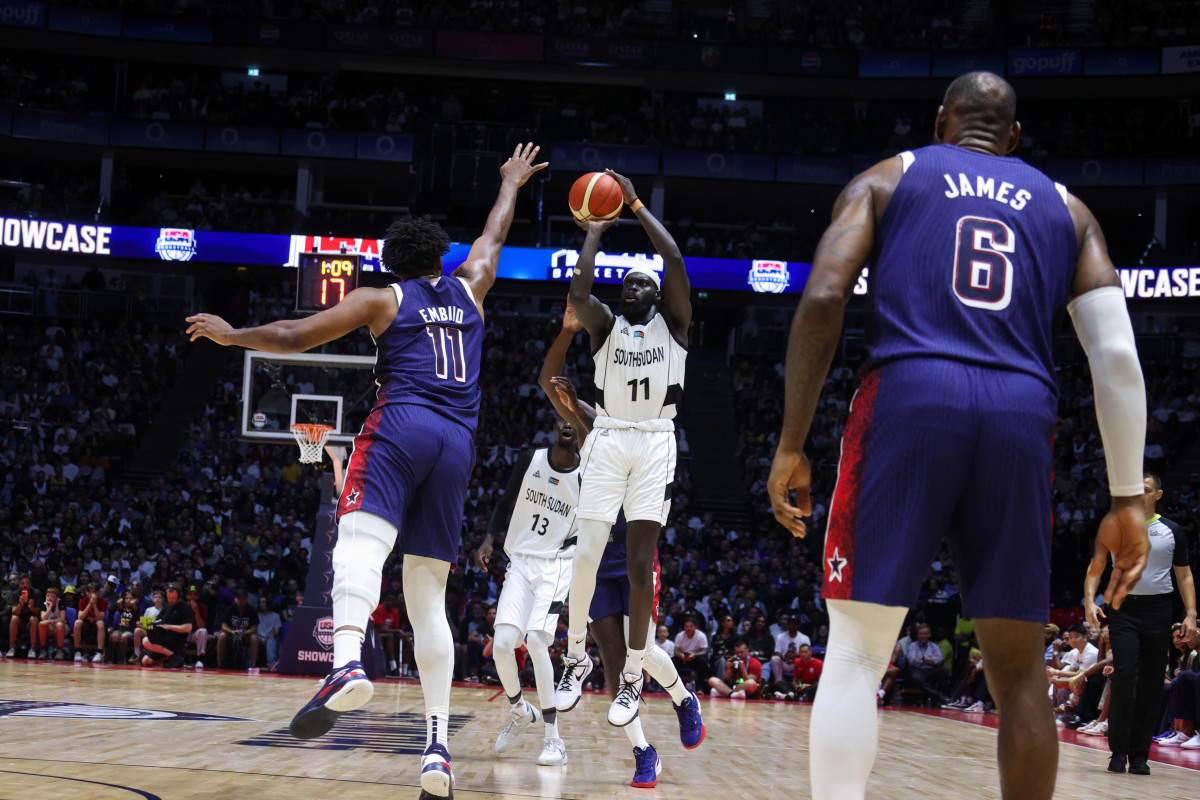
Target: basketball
{"points": [[595, 196]]}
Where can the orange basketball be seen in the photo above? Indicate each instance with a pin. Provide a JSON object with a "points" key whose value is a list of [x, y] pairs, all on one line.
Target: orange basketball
{"points": [[595, 196]]}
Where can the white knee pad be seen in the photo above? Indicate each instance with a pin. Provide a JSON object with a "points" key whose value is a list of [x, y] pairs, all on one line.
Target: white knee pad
{"points": [[364, 542]]}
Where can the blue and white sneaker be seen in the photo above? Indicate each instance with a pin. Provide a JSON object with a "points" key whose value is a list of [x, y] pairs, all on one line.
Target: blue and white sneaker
{"points": [[691, 724], [645, 774], [437, 781], [346, 689]]}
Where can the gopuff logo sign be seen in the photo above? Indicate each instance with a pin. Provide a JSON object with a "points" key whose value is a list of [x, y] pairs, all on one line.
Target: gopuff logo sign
{"points": [[769, 276], [323, 632], [22, 15], [175, 244], [1034, 63]]}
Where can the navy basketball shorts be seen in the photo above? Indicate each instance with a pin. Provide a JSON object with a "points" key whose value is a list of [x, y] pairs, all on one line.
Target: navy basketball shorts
{"points": [[411, 466], [612, 589], [939, 449]]}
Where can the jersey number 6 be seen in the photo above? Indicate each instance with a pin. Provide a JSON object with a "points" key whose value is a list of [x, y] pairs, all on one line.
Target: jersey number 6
{"points": [[982, 270]]}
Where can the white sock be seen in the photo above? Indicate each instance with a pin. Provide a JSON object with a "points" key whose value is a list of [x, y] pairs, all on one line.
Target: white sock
{"points": [[576, 645], [347, 647], [589, 549], [635, 733], [634, 662], [436, 727], [662, 669], [844, 731]]}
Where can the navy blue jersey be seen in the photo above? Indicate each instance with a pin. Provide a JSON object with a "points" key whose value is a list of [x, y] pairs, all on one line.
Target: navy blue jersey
{"points": [[974, 263], [429, 355]]}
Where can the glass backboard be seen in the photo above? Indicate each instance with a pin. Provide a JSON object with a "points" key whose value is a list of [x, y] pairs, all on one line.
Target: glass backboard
{"points": [[279, 390]]}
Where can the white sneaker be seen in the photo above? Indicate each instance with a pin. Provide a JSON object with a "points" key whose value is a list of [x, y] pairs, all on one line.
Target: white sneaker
{"points": [[713, 692], [738, 695], [1192, 743], [12, 653], [570, 685], [521, 716], [98, 658], [78, 657], [627, 703], [199, 666], [554, 754], [974, 708], [1176, 740], [252, 671], [780, 696]]}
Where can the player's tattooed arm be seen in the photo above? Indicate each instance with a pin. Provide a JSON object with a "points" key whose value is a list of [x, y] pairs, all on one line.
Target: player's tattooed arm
{"points": [[676, 288], [1094, 269], [597, 318]]}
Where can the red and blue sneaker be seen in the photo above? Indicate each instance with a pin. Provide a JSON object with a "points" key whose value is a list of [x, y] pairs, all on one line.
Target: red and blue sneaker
{"points": [[645, 774], [691, 724], [437, 781], [346, 689]]}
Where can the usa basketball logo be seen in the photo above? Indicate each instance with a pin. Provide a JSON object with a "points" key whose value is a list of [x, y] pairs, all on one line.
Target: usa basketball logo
{"points": [[769, 276], [323, 632], [175, 244]]}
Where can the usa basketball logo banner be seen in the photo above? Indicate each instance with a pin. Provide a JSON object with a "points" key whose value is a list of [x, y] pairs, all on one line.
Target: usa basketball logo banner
{"points": [[175, 244], [53, 710], [769, 276]]}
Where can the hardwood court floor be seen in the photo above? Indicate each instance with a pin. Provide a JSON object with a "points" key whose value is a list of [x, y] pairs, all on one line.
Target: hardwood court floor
{"points": [[70, 731]]}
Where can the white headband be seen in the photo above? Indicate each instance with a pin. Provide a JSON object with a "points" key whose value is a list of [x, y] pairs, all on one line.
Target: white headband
{"points": [[644, 270]]}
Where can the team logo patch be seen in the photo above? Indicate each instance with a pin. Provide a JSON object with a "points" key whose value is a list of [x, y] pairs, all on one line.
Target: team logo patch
{"points": [[323, 632], [175, 244], [537, 473], [398, 733], [554, 481], [624, 331], [769, 276], [53, 710]]}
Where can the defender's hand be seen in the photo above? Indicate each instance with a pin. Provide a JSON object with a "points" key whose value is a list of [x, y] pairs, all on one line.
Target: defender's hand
{"points": [[790, 470], [570, 320], [210, 326], [566, 392], [625, 184], [483, 556], [520, 167], [1123, 535]]}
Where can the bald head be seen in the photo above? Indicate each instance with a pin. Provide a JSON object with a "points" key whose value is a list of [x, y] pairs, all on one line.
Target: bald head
{"points": [[979, 110]]}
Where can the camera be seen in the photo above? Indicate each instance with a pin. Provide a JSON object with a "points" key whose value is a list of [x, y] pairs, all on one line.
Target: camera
{"points": [[736, 663]]}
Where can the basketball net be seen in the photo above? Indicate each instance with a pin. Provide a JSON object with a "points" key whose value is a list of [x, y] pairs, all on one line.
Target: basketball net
{"points": [[311, 439]]}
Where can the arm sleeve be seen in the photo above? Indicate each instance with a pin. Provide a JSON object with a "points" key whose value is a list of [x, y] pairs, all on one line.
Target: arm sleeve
{"points": [[1102, 323], [503, 510]]}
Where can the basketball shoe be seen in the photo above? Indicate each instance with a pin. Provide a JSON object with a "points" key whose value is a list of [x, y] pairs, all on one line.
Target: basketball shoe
{"points": [[691, 724], [346, 689], [437, 781], [645, 774], [521, 716], [570, 685], [554, 753], [627, 703]]}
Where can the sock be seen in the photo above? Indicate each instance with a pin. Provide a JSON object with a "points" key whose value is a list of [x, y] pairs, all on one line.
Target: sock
{"points": [[436, 726], [844, 730], [347, 647], [635, 733], [660, 667], [550, 715], [634, 661], [391, 665], [575, 645]]}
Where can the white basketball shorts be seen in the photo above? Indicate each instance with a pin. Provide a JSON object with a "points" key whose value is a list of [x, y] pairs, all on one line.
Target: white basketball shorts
{"points": [[534, 592], [627, 468]]}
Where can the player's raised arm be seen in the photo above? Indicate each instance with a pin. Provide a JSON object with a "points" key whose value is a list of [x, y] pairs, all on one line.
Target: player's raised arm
{"points": [[597, 318], [552, 367], [373, 308], [479, 269], [1102, 322], [676, 288], [841, 254]]}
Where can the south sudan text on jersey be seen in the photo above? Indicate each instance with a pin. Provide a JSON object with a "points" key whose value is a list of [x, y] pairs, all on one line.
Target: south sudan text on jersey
{"points": [[642, 358], [548, 502]]}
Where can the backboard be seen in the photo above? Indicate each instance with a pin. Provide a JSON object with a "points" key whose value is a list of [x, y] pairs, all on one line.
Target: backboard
{"points": [[279, 390]]}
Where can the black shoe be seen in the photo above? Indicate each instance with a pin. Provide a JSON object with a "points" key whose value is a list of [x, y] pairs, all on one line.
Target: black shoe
{"points": [[1116, 763], [1138, 767], [1072, 721], [174, 662]]}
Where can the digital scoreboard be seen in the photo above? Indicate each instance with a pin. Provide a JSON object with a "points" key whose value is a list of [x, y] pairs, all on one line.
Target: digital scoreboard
{"points": [[324, 280]]}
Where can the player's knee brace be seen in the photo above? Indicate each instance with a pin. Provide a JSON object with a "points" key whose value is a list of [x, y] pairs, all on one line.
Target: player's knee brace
{"points": [[364, 543]]}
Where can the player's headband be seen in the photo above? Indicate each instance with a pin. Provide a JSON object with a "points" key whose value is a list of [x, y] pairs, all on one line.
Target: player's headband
{"points": [[642, 270]]}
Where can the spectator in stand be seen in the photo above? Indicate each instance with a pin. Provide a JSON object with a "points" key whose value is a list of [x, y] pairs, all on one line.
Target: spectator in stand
{"points": [[167, 638], [123, 622], [25, 614], [662, 640], [1183, 696], [239, 629], [386, 619], [92, 611], [1080, 656], [743, 675], [1053, 643], [1068, 612], [806, 673], [926, 669], [269, 626], [787, 647], [199, 634], [691, 651], [53, 623], [146, 622], [721, 645], [760, 641]]}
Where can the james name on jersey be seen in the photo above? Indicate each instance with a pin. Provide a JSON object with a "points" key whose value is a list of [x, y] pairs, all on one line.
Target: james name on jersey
{"points": [[986, 187]]}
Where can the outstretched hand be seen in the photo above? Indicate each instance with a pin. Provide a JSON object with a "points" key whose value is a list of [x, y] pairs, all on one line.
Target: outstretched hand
{"points": [[210, 326], [566, 392], [570, 320], [1123, 535], [520, 167], [790, 470], [625, 184]]}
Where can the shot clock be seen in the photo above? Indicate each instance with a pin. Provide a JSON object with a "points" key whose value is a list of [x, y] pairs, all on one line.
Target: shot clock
{"points": [[324, 280]]}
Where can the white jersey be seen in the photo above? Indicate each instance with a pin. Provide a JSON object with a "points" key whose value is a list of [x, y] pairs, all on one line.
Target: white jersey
{"points": [[543, 517], [639, 371]]}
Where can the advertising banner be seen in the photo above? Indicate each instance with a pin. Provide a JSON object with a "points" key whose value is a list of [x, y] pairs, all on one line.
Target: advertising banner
{"points": [[893, 64], [489, 46], [88, 21], [1161, 171], [1095, 171], [21, 14], [599, 52], [355, 38], [416, 42], [952, 63], [241, 139], [318, 144], [812, 169], [1121, 62], [291, 34], [584, 157], [811, 63], [197, 30], [159, 135], [702, 164], [1044, 63], [56, 127], [385, 147], [1181, 59]]}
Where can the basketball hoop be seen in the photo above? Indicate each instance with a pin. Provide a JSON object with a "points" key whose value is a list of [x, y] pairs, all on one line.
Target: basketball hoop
{"points": [[311, 439]]}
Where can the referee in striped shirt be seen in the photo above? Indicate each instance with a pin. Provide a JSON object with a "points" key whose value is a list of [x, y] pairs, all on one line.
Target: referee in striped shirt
{"points": [[1141, 635]]}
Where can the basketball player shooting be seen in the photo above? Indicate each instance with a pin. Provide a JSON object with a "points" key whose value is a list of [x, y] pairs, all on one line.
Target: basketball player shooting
{"points": [[629, 459], [407, 477], [973, 256]]}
